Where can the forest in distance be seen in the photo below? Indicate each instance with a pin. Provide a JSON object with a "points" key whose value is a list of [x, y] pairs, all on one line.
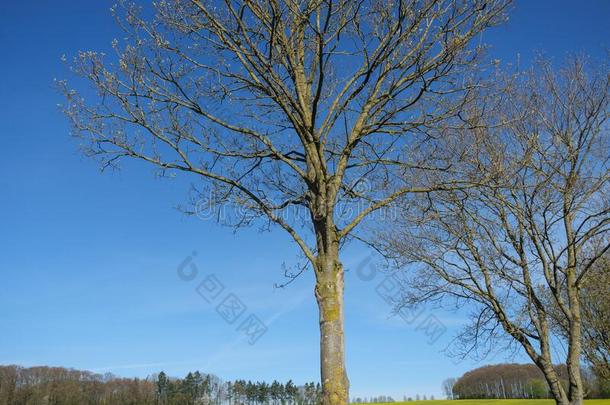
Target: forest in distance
{"points": [[62, 386]]}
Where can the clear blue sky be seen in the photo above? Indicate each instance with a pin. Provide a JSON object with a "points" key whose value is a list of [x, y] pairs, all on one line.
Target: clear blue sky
{"points": [[88, 260]]}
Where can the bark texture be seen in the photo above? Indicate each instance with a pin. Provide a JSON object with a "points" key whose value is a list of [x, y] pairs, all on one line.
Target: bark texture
{"points": [[329, 295]]}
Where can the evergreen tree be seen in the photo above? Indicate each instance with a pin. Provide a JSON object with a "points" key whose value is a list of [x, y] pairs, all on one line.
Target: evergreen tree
{"points": [[162, 387]]}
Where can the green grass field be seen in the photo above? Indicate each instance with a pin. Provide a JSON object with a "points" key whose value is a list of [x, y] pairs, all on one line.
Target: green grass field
{"points": [[498, 402]]}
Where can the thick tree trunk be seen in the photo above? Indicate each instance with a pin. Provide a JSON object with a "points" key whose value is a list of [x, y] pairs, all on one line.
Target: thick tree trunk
{"points": [[329, 294], [545, 363], [555, 386], [575, 392]]}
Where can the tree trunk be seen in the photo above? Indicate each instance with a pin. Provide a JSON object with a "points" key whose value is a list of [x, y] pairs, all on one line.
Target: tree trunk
{"points": [[575, 391], [329, 294], [552, 380], [545, 363]]}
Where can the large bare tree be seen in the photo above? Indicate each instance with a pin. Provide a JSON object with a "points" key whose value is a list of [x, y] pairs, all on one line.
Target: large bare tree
{"points": [[306, 114], [534, 231]]}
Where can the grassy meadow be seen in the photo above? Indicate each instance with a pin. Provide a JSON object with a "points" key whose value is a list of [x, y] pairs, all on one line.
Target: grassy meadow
{"points": [[498, 402]]}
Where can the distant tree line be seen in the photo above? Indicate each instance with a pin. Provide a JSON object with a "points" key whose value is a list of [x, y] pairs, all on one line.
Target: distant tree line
{"points": [[196, 388], [385, 399], [419, 398], [372, 400], [61, 386], [521, 381]]}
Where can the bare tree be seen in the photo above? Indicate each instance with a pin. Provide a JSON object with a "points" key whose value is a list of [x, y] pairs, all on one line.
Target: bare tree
{"points": [[293, 112], [448, 385], [531, 231]]}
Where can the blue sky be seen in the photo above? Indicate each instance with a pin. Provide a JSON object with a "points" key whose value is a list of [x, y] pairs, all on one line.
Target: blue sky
{"points": [[89, 260]]}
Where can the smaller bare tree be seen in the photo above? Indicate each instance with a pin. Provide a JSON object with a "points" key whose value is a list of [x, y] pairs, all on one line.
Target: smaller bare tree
{"points": [[529, 233], [448, 387]]}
